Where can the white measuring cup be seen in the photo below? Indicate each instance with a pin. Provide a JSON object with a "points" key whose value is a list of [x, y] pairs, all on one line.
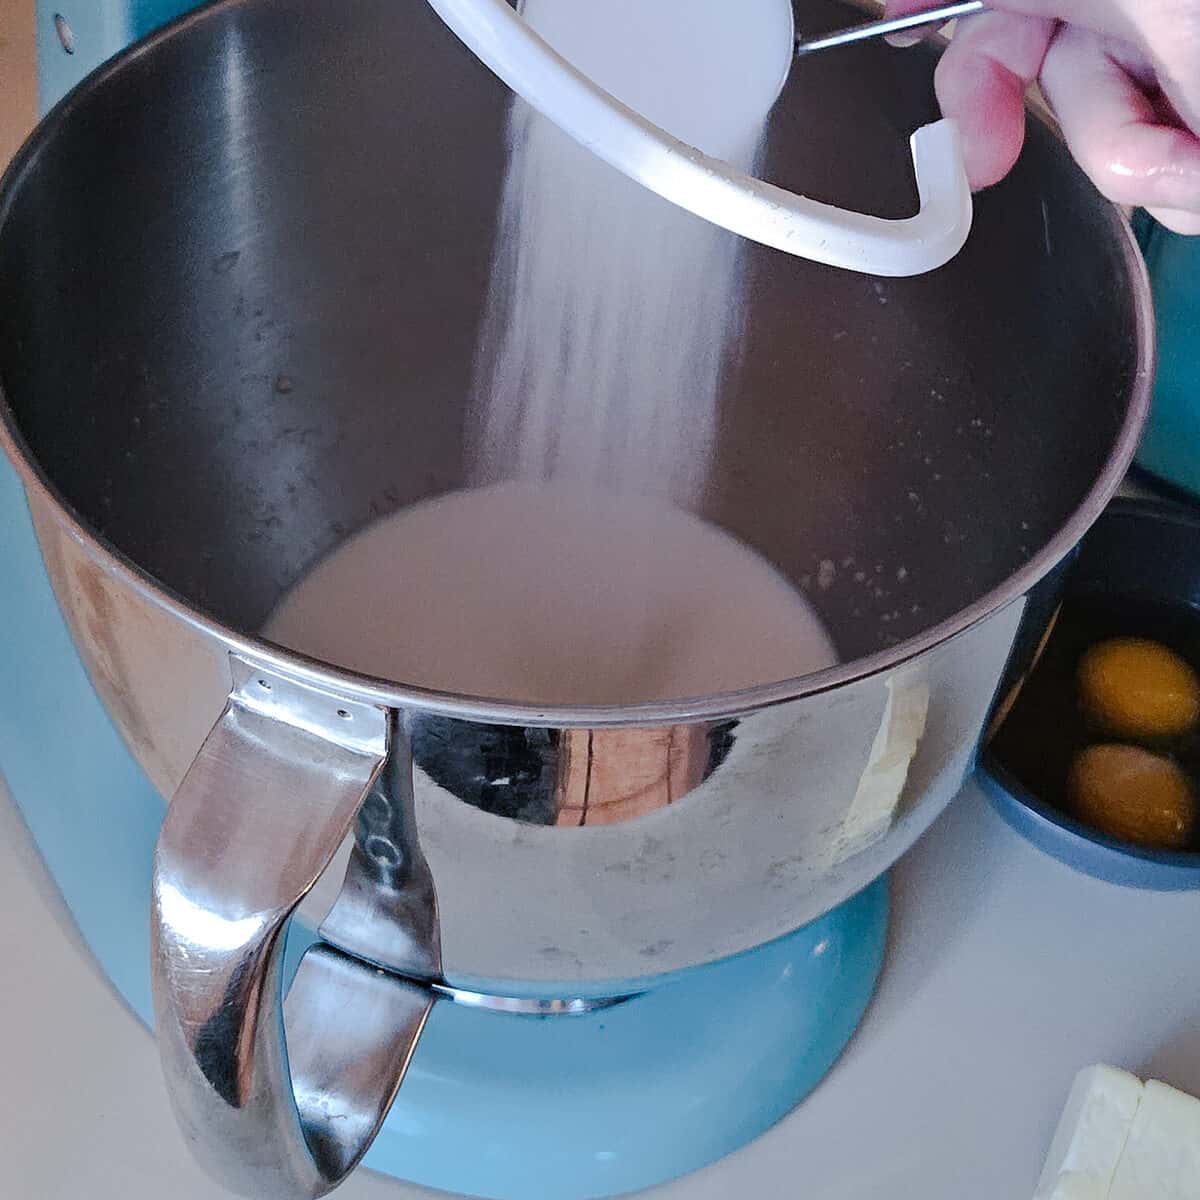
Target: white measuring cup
{"points": [[711, 187]]}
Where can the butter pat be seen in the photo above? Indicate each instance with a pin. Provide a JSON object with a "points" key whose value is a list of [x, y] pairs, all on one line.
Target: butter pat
{"points": [[882, 782], [1161, 1158], [1091, 1135]]}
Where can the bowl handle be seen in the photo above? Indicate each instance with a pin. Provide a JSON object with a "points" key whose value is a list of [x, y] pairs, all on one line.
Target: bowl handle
{"points": [[710, 187], [268, 800]]}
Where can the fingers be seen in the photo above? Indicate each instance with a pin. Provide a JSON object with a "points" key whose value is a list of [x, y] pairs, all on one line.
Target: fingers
{"points": [[981, 81], [1175, 48], [1118, 18], [1114, 131], [1123, 77], [1166, 31]]}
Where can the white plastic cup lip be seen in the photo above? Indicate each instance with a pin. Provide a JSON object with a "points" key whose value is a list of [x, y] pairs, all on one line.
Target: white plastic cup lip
{"points": [[711, 188]]}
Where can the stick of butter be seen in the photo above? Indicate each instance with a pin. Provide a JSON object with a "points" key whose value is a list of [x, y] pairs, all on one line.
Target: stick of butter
{"points": [[1161, 1160], [1120, 1140], [882, 782], [1091, 1134]]}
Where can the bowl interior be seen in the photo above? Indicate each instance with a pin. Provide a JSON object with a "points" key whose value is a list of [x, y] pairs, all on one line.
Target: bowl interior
{"points": [[243, 275]]}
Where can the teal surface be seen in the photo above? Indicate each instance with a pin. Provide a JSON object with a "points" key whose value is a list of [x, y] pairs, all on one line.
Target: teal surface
{"points": [[515, 1108], [1170, 447], [99, 28]]}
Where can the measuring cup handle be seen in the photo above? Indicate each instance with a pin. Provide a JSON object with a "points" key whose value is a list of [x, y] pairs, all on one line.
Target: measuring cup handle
{"points": [[265, 805], [710, 187]]}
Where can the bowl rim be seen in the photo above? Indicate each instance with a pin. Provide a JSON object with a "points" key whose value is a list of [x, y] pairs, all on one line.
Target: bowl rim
{"points": [[1002, 779], [1172, 508]]}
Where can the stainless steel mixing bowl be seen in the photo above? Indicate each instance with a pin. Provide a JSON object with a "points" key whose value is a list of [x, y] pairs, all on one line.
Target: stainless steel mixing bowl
{"points": [[241, 274]]}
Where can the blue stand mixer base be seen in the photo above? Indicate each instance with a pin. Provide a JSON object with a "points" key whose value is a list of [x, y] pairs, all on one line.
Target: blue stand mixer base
{"points": [[498, 1106]]}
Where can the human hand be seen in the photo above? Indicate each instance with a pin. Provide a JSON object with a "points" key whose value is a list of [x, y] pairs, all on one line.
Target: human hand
{"points": [[1123, 79]]}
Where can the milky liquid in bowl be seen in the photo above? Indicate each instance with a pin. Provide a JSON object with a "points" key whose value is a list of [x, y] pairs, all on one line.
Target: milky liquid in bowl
{"points": [[549, 594]]}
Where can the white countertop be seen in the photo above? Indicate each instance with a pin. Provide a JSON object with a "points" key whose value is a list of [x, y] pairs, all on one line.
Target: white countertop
{"points": [[1006, 973]]}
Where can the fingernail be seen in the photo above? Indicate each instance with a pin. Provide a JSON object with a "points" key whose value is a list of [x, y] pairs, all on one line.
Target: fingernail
{"points": [[904, 39]]}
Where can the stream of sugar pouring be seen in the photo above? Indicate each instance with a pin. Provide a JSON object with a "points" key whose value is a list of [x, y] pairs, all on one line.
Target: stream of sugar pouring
{"points": [[611, 312], [573, 571]]}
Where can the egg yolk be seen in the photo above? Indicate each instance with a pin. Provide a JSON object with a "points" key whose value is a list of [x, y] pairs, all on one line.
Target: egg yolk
{"points": [[1133, 687], [1133, 795]]}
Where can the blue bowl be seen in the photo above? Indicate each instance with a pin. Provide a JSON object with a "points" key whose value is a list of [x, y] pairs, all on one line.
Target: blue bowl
{"points": [[1147, 553]]}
